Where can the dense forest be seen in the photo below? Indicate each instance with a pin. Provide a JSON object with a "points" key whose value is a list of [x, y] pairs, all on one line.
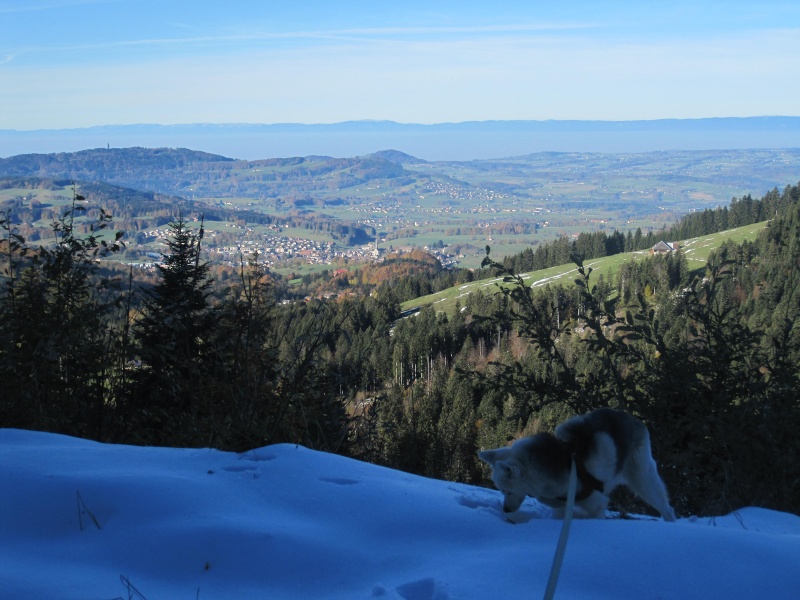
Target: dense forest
{"points": [[709, 360]]}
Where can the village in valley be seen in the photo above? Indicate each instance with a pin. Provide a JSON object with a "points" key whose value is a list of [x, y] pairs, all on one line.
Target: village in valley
{"points": [[277, 250]]}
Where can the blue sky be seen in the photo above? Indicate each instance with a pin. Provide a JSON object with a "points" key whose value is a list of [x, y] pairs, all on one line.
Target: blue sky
{"points": [[79, 63]]}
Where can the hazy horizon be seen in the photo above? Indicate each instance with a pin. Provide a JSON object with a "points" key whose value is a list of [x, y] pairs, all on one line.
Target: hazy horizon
{"points": [[401, 123], [444, 141]]}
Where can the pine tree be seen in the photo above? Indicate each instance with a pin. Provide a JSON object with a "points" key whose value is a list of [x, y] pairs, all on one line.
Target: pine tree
{"points": [[173, 334]]}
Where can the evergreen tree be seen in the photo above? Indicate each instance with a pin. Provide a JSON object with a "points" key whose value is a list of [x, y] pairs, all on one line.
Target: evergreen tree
{"points": [[173, 335], [244, 339]]}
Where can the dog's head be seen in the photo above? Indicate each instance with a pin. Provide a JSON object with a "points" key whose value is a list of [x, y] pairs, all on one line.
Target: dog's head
{"points": [[506, 475], [533, 466]]}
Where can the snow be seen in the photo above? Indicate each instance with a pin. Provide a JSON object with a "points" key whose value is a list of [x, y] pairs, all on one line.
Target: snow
{"points": [[89, 521]]}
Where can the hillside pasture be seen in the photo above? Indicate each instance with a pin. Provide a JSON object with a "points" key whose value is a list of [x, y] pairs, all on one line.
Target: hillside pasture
{"points": [[697, 251]]}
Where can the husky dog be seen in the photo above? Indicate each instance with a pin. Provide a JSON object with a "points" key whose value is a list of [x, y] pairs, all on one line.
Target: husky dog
{"points": [[610, 448]]}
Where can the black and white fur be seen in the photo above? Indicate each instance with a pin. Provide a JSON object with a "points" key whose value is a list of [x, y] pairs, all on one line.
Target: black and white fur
{"points": [[613, 446]]}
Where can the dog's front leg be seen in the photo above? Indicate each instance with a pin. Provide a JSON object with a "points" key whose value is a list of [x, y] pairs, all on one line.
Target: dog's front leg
{"points": [[594, 507]]}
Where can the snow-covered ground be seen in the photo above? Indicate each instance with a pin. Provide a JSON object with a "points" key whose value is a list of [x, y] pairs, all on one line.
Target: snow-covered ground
{"points": [[88, 521]]}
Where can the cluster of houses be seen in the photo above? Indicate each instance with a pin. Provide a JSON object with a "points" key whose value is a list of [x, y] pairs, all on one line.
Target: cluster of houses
{"points": [[457, 192], [273, 249]]}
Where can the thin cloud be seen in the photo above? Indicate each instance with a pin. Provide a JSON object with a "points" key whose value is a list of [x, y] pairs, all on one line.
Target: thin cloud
{"points": [[54, 4], [362, 34], [519, 28], [400, 34]]}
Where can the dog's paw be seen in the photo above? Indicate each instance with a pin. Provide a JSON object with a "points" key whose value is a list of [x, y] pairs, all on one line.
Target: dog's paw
{"points": [[424, 589]]}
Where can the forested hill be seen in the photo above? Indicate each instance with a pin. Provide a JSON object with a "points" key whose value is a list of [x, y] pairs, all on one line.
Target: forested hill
{"points": [[677, 181], [132, 167], [125, 204], [741, 211], [191, 173]]}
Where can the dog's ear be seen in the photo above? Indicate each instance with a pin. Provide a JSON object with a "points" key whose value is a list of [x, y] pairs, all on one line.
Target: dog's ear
{"points": [[506, 470], [487, 456], [492, 456]]}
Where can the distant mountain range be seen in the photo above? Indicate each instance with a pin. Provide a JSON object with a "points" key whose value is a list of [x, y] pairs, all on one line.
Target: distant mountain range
{"points": [[442, 141]]}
